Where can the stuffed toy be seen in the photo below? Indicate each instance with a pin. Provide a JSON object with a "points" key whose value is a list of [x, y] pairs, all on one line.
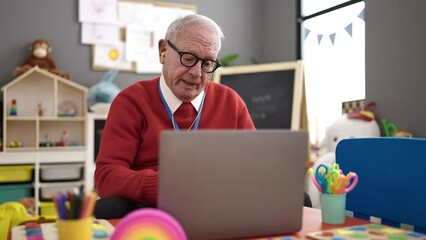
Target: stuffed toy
{"points": [[40, 51], [11, 214], [104, 91], [359, 124]]}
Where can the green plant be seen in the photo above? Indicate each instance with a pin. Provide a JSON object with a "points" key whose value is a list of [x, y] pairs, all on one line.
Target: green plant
{"points": [[228, 59]]}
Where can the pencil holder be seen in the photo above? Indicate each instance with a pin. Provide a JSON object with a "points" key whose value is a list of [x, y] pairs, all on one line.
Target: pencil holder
{"points": [[73, 229], [333, 207]]}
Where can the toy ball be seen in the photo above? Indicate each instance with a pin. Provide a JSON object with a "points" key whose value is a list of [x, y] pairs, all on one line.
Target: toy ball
{"points": [[104, 91], [148, 223]]}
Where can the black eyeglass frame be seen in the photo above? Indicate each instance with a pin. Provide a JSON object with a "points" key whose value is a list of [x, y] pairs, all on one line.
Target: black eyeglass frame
{"points": [[215, 62]]}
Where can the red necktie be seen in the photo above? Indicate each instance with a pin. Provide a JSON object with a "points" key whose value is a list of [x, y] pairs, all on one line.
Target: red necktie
{"points": [[185, 115]]}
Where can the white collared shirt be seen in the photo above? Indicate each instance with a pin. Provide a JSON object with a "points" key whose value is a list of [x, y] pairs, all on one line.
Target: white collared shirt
{"points": [[175, 102]]}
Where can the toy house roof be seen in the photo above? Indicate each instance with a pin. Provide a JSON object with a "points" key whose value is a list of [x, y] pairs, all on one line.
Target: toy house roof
{"points": [[47, 74]]}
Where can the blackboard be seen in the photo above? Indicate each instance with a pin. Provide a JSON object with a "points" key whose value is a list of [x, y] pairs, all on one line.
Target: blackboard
{"points": [[272, 92]]}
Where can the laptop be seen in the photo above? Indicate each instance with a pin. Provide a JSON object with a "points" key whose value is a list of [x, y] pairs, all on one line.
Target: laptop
{"points": [[229, 184]]}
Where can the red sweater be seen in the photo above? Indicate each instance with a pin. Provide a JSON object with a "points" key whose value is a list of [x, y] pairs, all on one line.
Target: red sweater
{"points": [[127, 161]]}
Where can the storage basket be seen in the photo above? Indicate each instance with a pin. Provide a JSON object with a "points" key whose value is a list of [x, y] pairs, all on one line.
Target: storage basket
{"points": [[47, 192], [61, 172], [16, 173], [13, 192]]}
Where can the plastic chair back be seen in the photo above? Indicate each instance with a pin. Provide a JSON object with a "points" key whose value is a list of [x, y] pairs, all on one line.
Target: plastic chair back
{"points": [[391, 184]]}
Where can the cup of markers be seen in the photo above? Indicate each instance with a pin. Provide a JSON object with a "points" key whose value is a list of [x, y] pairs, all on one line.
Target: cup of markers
{"points": [[333, 185], [75, 210]]}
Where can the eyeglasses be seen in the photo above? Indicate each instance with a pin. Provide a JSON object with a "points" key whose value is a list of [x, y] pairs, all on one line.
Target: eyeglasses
{"points": [[188, 59]]}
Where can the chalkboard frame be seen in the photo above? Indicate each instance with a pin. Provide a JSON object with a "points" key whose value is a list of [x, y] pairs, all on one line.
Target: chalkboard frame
{"points": [[297, 114]]}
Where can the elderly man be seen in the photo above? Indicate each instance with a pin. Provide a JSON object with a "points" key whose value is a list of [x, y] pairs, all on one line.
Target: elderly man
{"points": [[182, 98]]}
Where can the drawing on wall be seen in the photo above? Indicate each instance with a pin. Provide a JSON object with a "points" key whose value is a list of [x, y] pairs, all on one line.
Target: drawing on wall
{"points": [[98, 33], [129, 12], [97, 11], [111, 57], [129, 40], [138, 21]]}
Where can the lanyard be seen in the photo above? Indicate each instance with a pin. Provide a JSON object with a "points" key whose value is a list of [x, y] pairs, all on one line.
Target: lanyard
{"points": [[175, 125]]}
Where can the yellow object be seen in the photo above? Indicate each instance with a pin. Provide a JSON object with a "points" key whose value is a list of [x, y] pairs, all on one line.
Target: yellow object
{"points": [[114, 54], [72, 229], [11, 214], [368, 114], [48, 209], [16, 173]]}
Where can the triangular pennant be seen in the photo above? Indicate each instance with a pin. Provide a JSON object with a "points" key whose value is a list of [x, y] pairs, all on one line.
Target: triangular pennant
{"points": [[332, 37], [307, 31], [319, 38], [361, 15], [349, 29]]}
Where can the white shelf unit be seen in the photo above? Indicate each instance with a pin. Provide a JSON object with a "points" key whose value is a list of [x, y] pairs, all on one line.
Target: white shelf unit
{"points": [[91, 132], [47, 105], [38, 158]]}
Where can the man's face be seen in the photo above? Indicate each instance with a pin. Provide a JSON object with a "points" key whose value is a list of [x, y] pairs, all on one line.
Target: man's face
{"points": [[187, 82]]}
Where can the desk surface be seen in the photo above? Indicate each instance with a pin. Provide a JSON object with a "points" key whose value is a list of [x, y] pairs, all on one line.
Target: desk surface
{"points": [[311, 223]]}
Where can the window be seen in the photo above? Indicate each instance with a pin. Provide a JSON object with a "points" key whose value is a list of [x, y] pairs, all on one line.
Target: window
{"points": [[333, 52]]}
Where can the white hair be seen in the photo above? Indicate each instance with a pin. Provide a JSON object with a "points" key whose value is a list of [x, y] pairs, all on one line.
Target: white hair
{"points": [[194, 20]]}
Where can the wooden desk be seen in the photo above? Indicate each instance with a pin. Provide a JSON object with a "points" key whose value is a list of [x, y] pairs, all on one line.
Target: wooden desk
{"points": [[311, 223]]}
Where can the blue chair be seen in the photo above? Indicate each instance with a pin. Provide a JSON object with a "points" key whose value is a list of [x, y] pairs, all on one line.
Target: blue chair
{"points": [[392, 182]]}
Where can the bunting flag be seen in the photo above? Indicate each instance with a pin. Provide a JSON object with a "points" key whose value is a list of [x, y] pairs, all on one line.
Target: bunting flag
{"points": [[332, 36], [361, 15], [349, 29], [319, 36], [307, 31]]}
